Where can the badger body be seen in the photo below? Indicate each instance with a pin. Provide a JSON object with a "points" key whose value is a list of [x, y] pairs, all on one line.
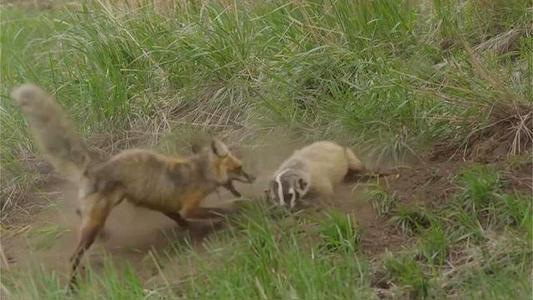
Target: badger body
{"points": [[314, 170]]}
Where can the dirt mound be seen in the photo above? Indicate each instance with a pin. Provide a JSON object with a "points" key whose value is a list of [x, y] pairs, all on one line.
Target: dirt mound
{"points": [[426, 184], [509, 132]]}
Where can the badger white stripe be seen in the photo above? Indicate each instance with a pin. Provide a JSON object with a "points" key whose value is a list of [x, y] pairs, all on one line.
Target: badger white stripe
{"points": [[280, 188], [293, 197]]}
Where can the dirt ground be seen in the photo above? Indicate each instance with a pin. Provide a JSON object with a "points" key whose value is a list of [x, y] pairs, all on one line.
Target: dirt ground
{"points": [[48, 236]]}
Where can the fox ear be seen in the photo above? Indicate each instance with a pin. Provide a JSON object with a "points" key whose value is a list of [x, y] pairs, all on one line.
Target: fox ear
{"points": [[219, 148], [302, 186]]}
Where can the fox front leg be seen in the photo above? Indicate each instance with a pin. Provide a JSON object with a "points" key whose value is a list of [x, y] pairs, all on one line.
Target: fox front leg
{"points": [[230, 187], [196, 212], [178, 219]]}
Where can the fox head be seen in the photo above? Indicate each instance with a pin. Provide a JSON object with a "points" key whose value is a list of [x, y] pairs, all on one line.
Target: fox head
{"points": [[287, 188], [225, 166]]}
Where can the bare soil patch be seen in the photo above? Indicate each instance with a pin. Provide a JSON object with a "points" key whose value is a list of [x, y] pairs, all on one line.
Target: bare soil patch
{"points": [[427, 183], [132, 234]]}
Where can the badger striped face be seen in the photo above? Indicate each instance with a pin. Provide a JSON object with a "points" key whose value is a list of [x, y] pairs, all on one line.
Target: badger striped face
{"points": [[285, 189]]}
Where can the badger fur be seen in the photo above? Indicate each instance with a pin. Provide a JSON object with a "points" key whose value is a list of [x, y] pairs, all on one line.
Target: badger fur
{"points": [[313, 170]]}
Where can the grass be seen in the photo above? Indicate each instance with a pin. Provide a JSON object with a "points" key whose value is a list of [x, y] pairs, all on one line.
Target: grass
{"points": [[434, 244], [281, 265], [46, 236], [411, 219], [406, 271], [339, 233], [394, 78], [382, 202], [483, 206]]}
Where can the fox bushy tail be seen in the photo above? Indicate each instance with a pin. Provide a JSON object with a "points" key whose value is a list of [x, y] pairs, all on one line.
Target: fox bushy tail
{"points": [[53, 131]]}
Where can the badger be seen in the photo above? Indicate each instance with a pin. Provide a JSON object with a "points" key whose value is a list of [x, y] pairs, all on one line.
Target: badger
{"points": [[314, 170]]}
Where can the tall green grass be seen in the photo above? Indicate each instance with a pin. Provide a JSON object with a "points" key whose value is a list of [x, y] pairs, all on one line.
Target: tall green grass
{"points": [[364, 70]]}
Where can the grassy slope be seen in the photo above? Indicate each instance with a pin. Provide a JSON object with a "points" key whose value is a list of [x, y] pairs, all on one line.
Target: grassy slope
{"points": [[395, 74]]}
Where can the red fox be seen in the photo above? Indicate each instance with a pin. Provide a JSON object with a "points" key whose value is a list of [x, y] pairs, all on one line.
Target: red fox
{"points": [[315, 169], [174, 186]]}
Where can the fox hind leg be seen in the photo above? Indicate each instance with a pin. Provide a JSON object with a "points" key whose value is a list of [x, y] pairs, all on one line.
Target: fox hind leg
{"points": [[94, 216], [103, 235]]}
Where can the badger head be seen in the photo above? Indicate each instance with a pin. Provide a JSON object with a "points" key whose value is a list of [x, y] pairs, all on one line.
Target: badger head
{"points": [[288, 187]]}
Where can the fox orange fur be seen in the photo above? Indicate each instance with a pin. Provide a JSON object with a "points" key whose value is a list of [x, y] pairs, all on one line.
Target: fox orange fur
{"points": [[173, 185]]}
